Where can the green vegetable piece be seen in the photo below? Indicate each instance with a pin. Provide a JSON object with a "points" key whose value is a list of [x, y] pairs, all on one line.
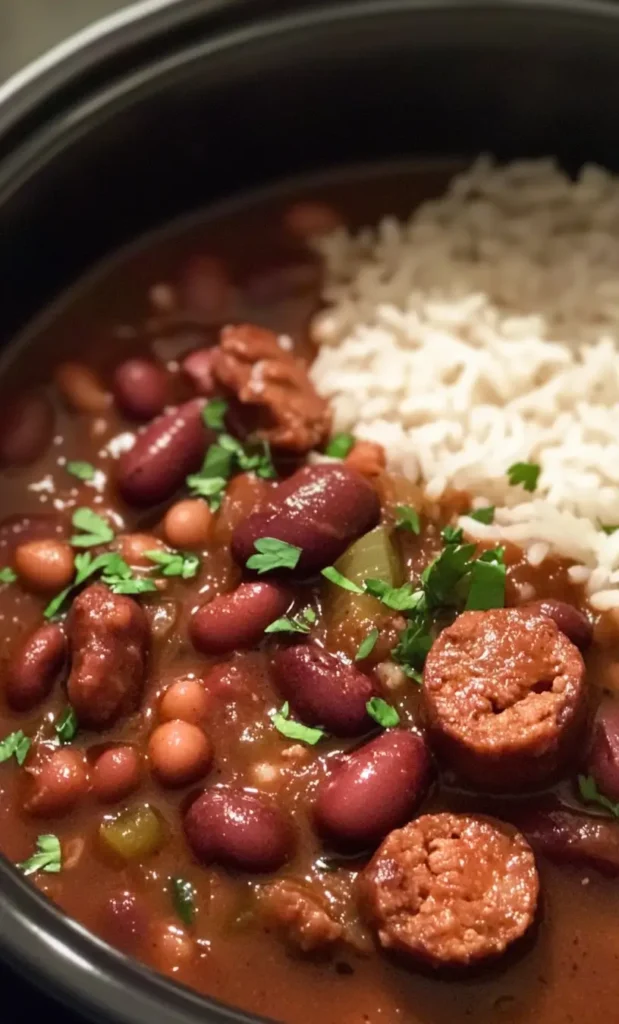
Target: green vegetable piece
{"points": [[134, 834], [66, 725], [408, 519], [295, 730], [301, 623], [483, 515], [273, 554], [452, 534], [385, 714], [211, 488], [81, 470], [401, 599], [7, 575], [412, 649], [590, 794], [16, 745], [608, 529], [48, 857], [367, 646], [525, 473], [214, 413], [95, 530], [183, 898], [175, 563], [487, 587], [339, 446], [332, 574]]}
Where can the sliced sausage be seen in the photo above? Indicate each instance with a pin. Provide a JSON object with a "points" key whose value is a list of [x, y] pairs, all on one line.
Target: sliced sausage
{"points": [[299, 916], [109, 639], [504, 698], [320, 509], [373, 790], [323, 690], [163, 455], [238, 829], [451, 890], [34, 667], [238, 619]]}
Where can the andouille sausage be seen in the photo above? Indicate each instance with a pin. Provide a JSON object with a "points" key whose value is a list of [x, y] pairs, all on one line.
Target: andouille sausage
{"points": [[504, 698], [451, 890]]}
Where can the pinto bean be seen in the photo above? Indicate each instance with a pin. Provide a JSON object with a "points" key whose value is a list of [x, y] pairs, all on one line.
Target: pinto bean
{"points": [[374, 790], [198, 366], [133, 547], [81, 388], [179, 753], [569, 619], [162, 456], [238, 619], [186, 699], [109, 638], [26, 429], [188, 523], [603, 760], [59, 784], [20, 529], [140, 388], [34, 667], [321, 509], [581, 839], [323, 690], [116, 774], [238, 829], [45, 566]]}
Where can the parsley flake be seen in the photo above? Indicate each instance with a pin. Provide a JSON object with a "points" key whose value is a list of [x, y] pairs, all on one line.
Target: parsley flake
{"points": [[400, 599], [273, 554], [48, 857], [81, 470], [408, 519], [175, 563], [66, 726], [412, 649], [367, 645], [214, 413], [483, 515], [385, 714], [301, 623], [590, 794], [339, 446], [94, 529], [16, 745], [525, 473], [295, 730], [608, 529], [7, 575], [183, 898], [487, 587], [332, 574], [452, 534]]}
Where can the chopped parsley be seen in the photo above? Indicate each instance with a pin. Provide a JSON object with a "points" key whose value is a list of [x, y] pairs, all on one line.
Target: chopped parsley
{"points": [[385, 714], [81, 470], [225, 458], [608, 529], [525, 473], [487, 586], [66, 726], [175, 563], [16, 745], [339, 446], [7, 575], [183, 898], [94, 529], [400, 599], [452, 534], [332, 574], [301, 623], [48, 857], [214, 413], [273, 554], [412, 649], [483, 515], [295, 730], [408, 519], [116, 574], [590, 794], [367, 645]]}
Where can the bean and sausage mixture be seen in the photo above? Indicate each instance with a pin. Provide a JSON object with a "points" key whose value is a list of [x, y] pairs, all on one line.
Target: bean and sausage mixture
{"points": [[269, 722]]}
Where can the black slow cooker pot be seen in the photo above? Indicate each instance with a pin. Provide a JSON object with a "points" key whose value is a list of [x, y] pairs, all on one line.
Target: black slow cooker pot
{"points": [[175, 105]]}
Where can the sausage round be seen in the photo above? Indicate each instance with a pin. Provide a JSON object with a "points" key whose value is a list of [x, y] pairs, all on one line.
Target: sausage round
{"points": [[320, 509], [451, 890], [504, 698]]}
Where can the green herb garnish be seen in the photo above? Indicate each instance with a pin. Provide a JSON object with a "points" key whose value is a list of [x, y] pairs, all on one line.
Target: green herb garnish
{"points": [[175, 563], [82, 470], [483, 515], [525, 473], [367, 645], [7, 575], [332, 574], [408, 519], [183, 897], [48, 857], [487, 586], [295, 730], [214, 413], [339, 446], [273, 554], [400, 599], [117, 576], [16, 745], [385, 714], [225, 458], [452, 534], [300, 623], [590, 794], [66, 726], [412, 649], [608, 529], [95, 530]]}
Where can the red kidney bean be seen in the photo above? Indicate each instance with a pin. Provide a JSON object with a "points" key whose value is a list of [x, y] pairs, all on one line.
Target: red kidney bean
{"points": [[140, 388], [321, 509], [34, 667], [163, 455], [603, 759], [374, 790], [60, 783], [26, 429], [238, 619], [116, 774], [198, 366], [567, 838], [323, 690], [205, 287], [569, 620], [238, 829]]}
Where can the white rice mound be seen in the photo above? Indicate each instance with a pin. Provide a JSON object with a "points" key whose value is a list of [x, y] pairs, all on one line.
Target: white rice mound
{"points": [[482, 332]]}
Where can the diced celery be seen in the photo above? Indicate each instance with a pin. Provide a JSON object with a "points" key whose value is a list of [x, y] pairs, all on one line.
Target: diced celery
{"points": [[134, 834]]}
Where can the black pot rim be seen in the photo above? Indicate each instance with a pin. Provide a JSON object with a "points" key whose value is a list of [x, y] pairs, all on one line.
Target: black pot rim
{"points": [[36, 938]]}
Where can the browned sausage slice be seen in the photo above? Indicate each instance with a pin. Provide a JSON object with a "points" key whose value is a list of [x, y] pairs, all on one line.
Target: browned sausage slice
{"points": [[109, 638], [450, 890], [504, 698]]}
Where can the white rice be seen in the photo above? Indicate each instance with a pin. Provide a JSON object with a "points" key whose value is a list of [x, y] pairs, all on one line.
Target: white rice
{"points": [[483, 332]]}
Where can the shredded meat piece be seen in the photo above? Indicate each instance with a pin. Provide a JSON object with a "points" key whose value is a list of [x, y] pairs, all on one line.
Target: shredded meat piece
{"points": [[251, 363], [299, 916]]}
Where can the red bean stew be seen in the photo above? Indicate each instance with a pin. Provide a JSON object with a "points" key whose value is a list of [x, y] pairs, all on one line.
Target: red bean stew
{"points": [[269, 723]]}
